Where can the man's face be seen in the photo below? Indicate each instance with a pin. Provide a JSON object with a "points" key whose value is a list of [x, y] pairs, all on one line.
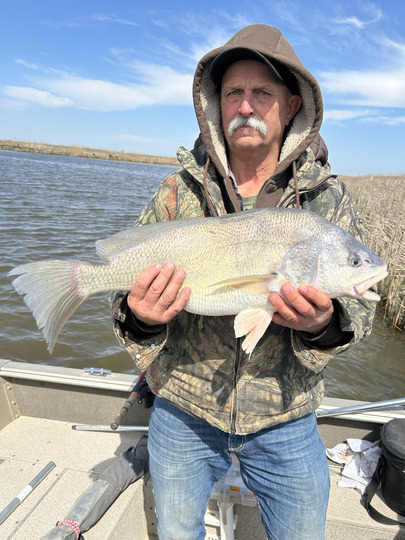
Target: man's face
{"points": [[250, 90]]}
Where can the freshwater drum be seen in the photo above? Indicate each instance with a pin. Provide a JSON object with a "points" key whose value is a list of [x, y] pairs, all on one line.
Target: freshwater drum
{"points": [[231, 262]]}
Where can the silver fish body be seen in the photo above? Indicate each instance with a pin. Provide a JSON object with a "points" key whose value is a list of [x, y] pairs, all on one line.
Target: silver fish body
{"points": [[231, 263]]}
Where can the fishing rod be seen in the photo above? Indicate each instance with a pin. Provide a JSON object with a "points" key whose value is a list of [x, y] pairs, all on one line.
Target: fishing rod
{"points": [[373, 406], [86, 427], [139, 393], [26, 491]]}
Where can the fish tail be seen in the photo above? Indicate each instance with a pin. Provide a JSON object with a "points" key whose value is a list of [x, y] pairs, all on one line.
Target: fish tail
{"points": [[52, 292]]}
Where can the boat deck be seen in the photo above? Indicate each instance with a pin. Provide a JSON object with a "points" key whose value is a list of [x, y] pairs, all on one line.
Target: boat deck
{"points": [[29, 443]]}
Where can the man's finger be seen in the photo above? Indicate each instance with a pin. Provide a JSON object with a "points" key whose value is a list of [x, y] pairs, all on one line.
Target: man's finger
{"points": [[175, 308], [143, 282], [160, 283], [317, 297], [297, 301], [170, 292], [286, 311]]}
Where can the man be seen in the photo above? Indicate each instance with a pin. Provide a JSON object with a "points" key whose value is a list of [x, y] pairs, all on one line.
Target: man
{"points": [[259, 112]]}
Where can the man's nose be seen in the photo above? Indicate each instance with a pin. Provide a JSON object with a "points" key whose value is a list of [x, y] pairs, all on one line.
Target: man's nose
{"points": [[245, 108]]}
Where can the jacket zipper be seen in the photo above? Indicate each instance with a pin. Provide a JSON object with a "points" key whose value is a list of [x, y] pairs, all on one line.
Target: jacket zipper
{"points": [[235, 391]]}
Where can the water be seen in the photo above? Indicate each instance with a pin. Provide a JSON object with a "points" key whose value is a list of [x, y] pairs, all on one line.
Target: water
{"points": [[57, 207]]}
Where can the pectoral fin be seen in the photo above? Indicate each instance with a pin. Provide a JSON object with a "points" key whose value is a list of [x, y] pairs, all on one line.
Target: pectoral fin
{"points": [[253, 322], [256, 285]]}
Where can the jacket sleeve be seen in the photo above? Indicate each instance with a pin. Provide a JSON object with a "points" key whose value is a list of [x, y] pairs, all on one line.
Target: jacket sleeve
{"points": [[141, 344], [353, 318], [144, 343]]}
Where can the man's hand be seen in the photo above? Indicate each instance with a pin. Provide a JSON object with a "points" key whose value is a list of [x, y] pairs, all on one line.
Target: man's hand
{"points": [[308, 310], [153, 297]]}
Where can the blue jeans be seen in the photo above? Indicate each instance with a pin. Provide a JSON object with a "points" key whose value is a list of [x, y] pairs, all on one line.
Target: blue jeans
{"points": [[285, 466]]}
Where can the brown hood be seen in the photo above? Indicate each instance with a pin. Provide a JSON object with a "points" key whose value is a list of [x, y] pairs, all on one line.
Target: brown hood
{"points": [[304, 126]]}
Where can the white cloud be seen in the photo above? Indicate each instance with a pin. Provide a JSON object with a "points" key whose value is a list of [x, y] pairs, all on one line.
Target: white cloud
{"points": [[380, 87], [86, 21], [34, 95], [203, 41], [368, 88], [372, 11], [355, 21], [370, 116], [165, 85], [216, 38], [352, 21], [159, 85], [27, 64], [395, 50], [386, 120], [219, 26], [340, 115], [113, 19]]}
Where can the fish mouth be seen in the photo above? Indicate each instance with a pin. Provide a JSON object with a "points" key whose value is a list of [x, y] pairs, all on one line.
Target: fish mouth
{"points": [[363, 289]]}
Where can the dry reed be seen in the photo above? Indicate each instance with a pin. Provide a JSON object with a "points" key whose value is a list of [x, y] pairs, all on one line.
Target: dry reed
{"points": [[381, 202]]}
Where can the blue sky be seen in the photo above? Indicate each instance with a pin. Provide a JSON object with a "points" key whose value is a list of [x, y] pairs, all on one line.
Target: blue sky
{"points": [[118, 75]]}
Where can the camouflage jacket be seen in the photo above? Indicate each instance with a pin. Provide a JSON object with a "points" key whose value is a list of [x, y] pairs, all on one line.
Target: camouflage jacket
{"points": [[196, 362]]}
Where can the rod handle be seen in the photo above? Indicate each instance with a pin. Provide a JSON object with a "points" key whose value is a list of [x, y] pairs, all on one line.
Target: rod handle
{"points": [[133, 396]]}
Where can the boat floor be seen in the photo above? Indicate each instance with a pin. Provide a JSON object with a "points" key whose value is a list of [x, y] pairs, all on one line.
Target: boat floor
{"points": [[28, 444]]}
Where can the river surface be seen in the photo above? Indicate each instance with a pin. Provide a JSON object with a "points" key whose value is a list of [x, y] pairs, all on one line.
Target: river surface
{"points": [[57, 207]]}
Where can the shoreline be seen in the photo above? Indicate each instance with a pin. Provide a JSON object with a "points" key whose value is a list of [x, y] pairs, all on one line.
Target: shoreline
{"points": [[81, 151]]}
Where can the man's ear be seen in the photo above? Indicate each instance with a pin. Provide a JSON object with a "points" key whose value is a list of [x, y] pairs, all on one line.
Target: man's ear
{"points": [[294, 105]]}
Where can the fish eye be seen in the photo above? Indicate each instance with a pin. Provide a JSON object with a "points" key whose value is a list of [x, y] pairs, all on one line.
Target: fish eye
{"points": [[355, 260]]}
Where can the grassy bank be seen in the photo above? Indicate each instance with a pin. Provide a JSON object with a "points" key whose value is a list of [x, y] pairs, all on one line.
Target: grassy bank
{"points": [[80, 151], [381, 202]]}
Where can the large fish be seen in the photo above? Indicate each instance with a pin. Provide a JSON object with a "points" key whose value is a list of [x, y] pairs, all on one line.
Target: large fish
{"points": [[231, 262]]}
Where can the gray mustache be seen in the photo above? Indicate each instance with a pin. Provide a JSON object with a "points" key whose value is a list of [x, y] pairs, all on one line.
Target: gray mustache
{"points": [[250, 121]]}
